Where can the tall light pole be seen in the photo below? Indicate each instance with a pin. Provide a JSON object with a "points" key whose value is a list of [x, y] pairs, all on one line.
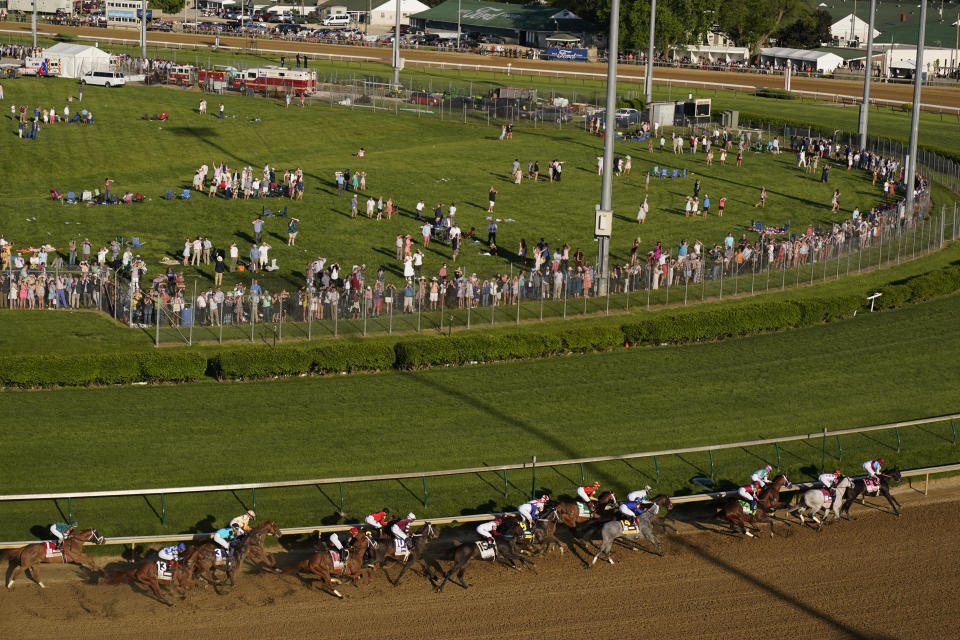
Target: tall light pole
{"points": [[865, 105], [143, 29], [458, 25], [396, 47], [915, 116], [604, 221], [648, 75], [33, 24]]}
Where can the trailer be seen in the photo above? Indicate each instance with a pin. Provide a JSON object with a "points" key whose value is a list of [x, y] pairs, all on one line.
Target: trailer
{"points": [[218, 78], [277, 80]]}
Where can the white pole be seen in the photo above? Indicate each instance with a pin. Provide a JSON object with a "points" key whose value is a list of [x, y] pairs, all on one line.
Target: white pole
{"points": [[458, 25], [396, 47], [143, 29], [33, 24]]}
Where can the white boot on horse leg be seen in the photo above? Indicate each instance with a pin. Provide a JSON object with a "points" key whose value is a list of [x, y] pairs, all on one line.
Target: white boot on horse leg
{"points": [[815, 519]]}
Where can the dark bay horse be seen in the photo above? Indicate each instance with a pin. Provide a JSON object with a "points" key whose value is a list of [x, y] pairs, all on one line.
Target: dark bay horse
{"points": [[416, 545], [207, 563], [506, 545], [27, 558], [147, 574], [859, 489], [544, 531], [322, 565], [570, 514], [614, 529], [733, 513]]}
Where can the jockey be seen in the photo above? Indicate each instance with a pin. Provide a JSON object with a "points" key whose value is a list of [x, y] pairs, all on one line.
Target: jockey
{"points": [[872, 467], [172, 553], [640, 495], [829, 480], [62, 531], [225, 537], [528, 510], [761, 475], [633, 508], [749, 493], [342, 545], [379, 519], [488, 530], [241, 524], [401, 528], [587, 492]]}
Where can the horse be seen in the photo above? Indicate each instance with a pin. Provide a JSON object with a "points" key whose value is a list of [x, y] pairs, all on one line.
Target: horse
{"points": [[28, 557], [570, 513], [771, 492], [813, 501], [322, 565], [506, 549], [732, 511], [207, 563], [250, 546], [614, 529], [416, 544], [859, 488], [147, 574]]}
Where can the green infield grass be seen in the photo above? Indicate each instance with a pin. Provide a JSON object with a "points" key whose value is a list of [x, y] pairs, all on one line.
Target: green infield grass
{"points": [[871, 369]]}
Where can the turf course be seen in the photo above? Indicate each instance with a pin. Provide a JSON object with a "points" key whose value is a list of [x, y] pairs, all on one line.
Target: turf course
{"points": [[872, 369]]}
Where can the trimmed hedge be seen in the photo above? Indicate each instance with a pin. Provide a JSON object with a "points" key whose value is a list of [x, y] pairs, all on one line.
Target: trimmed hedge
{"points": [[779, 94], [920, 287], [480, 347], [101, 368], [296, 359]]}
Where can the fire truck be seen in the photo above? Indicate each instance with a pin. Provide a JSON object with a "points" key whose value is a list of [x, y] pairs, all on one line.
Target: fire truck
{"points": [[276, 79], [218, 78], [183, 75]]}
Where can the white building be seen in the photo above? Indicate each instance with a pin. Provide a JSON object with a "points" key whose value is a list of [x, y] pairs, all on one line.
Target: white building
{"points": [[843, 31], [75, 60], [375, 13], [800, 59], [43, 6], [125, 13]]}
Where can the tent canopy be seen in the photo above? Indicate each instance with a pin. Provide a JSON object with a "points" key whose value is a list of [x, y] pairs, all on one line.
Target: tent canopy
{"points": [[77, 59]]}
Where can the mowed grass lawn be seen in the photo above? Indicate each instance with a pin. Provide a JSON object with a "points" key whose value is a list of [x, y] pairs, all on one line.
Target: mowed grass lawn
{"points": [[407, 159], [868, 370]]}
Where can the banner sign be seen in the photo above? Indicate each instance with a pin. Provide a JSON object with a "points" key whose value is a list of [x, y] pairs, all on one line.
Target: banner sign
{"points": [[556, 53]]}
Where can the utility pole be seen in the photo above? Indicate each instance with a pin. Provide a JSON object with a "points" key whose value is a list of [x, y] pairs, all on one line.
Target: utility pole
{"points": [[915, 116], [604, 220], [648, 75], [396, 48], [33, 24], [458, 25], [143, 29], [868, 72]]}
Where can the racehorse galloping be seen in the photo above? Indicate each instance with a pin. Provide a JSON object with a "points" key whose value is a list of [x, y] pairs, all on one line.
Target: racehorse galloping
{"points": [[543, 533], [771, 493], [506, 549], [416, 545], [812, 501], [251, 544], [733, 513], [147, 574], [571, 516], [614, 529], [207, 564], [28, 557], [860, 489], [322, 565]]}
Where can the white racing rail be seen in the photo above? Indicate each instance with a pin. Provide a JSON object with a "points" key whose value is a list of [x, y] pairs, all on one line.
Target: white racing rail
{"points": [[925, 472]]}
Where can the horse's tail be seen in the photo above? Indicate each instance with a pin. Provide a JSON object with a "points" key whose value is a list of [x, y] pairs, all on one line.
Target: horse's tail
{"points": [[286, 571], [11, 553], [121, 576]]}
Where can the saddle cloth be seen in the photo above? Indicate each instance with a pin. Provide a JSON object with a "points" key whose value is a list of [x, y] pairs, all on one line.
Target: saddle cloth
{"points": [[527, 531], [221, 555], [747, 507], [487, 549], [163, 570], [628, 526], [827, 497], [400, 547], [583, 510], [50, 548], [871, 486], [335, 558]]}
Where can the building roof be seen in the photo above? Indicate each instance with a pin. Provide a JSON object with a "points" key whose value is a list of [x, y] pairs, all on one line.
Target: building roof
{"points": [[362, 6], [507, 16], [849, 54], [807, 55], [65, 49], [936, 35], [842, 26]]}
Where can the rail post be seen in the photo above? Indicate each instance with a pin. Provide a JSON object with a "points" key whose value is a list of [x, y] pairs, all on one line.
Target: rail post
{"points": [[424, 478], [582, 479], [533, 485], [505, 485], [713, 467], [840, 447], [953, 426], [163, 509], [253, 496], [777, 447], [69, 508], [656, 465], [897, 429], [341, 496], [823, 451]]}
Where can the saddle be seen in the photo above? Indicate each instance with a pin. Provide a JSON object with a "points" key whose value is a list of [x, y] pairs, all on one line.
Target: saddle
{"points": [[338, 562], [584, 510], [628, 526], [748, 508], [400, 547], [221, 555], [871, 486], [164, 570], [827, 496], [527, 532], [51, 551]]}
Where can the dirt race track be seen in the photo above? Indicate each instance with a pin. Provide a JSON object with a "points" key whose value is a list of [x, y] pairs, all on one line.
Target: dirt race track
{"points": [[875, 577], [943, 96]]}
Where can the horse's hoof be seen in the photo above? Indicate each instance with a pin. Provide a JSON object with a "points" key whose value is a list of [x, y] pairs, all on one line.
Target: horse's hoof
{"points": [[10, 585], [42, 586], [748, 533], [610, 560], [338, 594]]}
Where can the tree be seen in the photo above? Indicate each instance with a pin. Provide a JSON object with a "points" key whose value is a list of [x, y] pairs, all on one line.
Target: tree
{"points": [[809, 30], [678, 22], [167, 6], [750, 23]]}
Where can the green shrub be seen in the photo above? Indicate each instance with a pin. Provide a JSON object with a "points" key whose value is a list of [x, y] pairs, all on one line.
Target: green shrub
{"points": [[779, 94], [172, 366], [591, 338], [894, 295], [100, 368], [351, 356], [481, 347], [300, 358]]}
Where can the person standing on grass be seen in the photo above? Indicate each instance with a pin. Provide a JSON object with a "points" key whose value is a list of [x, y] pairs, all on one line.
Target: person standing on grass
{"points": [[254, 257], [218, 269], [688, 207], [426, 230], [257, 230], [503, 132], [286, 100], [763, 198], [836, 201], [723, 202], [536, 171], [293, 227], [420, 205], [706, 205], [642, 211], [739, 157], [221, 111], [234, 255], [493, 198]]}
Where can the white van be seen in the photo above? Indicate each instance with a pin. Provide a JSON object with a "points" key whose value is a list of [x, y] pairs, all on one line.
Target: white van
{"points": [[103, 78], [337, 20]]}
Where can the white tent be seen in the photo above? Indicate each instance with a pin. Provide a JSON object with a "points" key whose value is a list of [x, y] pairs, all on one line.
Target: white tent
{"points": [[801, 59], [76, 59], [842, 31]]}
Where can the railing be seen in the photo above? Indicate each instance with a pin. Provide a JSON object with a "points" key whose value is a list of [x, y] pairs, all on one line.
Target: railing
{"points": [[531, 466], [926, 472]]}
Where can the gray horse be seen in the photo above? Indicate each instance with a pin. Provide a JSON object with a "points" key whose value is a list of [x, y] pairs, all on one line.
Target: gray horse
{"points": [[812, 502], [614, 529]]}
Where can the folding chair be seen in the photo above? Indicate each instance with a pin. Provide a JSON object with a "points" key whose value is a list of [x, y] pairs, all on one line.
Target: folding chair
{"points": [[168, 194], [265, 212], [71, 197], [185, 194], [136, 243], [684, 174], [663, 173], [282, 213], [675, 174], [86, 196], [655, 172]]}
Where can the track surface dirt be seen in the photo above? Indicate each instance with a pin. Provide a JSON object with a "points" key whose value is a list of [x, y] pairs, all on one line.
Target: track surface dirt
{"points": [[944, 96], [875, 577]]}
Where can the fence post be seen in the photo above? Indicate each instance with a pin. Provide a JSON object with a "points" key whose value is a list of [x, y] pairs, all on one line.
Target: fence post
{"points": [[953, 426], [69, 508], [253, 495], [897, 429], [505, 485], [582, 478], [533, 485], [713, 467], [341, 496], [777, 447], [163, 509], [823, 451], [425, 492], [840, 447], [656, 466]]}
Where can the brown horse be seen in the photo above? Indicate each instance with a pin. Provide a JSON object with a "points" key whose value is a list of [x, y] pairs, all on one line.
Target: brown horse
{"points": [[28, 557], [207, 563], [733, 513], [251, 545], [771, 493], [506, 549], [570, 514], [416, 545], [147, 574], [543, 533], [322, 565]]}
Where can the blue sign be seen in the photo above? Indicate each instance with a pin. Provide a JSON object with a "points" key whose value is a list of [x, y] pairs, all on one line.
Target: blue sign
{"points": [[556, 53], [149, 14]]}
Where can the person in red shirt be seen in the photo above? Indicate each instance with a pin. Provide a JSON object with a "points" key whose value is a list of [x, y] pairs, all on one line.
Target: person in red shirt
{"points": [[379, 519], [588, 492]]}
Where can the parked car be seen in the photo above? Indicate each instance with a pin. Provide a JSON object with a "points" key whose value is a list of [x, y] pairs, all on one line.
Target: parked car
{"points": [[336, 20], [553, 114], [422, 97], [461, 102], [628, 116], [103, 78]]}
